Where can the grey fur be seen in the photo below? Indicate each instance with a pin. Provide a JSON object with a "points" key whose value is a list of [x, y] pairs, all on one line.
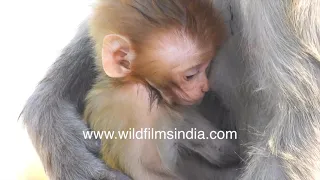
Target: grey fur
{"points": [[218, 152], [273, 88], [52, 116], [199, 159]]}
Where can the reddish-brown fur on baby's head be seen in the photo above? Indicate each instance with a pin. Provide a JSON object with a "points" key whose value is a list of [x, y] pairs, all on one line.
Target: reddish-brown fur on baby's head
{"points": [[167, 44]]}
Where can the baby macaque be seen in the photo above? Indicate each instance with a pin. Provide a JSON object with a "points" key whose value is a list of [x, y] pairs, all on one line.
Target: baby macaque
{"points": [[152, 57]]}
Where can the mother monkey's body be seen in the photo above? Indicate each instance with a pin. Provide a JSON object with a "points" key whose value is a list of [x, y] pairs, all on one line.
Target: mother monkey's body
{"points": [[270, 82]]}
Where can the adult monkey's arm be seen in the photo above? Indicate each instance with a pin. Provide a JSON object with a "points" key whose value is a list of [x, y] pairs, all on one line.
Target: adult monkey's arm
{"points": [[52, 116]]}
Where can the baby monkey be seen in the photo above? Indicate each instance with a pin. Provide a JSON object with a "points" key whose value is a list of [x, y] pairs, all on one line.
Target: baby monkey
{"points": [[152, 57]]}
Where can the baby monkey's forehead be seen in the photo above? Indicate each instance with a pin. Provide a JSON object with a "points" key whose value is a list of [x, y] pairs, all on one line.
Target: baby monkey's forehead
{"points": [[177, 48]]}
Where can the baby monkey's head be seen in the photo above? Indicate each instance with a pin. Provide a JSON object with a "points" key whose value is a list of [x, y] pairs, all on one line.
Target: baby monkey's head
{"points": [[166, 45]]}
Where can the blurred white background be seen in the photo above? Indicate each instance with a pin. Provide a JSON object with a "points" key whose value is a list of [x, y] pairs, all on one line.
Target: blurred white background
{"points": [[32, 34]]}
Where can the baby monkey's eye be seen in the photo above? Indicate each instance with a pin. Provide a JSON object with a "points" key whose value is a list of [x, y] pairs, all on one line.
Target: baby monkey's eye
{"points": [[189, 76]]}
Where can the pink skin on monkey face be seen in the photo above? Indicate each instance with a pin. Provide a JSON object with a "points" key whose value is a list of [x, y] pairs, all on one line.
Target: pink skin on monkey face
{"points": [[191, 86]]}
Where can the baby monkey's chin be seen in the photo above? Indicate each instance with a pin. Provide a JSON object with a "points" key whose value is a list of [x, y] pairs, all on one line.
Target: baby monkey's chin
{"points": [[182, 102], [189, 102], [174, 100]]}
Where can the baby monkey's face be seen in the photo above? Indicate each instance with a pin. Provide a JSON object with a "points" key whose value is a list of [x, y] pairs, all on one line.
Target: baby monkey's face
{"points": [[190, 85], [178, 69], [184, 86]]}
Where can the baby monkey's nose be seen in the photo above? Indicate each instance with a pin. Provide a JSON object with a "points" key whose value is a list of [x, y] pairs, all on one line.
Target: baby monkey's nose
{"points": [[205, 87]]}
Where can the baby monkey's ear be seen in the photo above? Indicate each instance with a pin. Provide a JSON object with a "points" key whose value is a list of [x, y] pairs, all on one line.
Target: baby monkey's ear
{"points": [[117, 56]]}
